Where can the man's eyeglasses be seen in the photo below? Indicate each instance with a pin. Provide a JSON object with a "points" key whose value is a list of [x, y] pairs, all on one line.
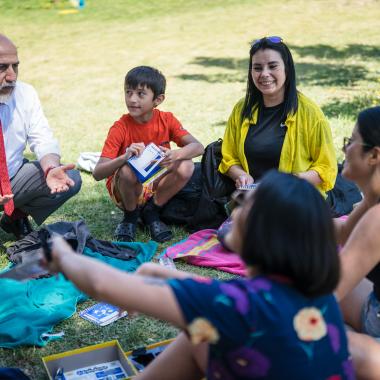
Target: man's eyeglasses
{"points": [[5, 66], [273, 39], [347, 141]]}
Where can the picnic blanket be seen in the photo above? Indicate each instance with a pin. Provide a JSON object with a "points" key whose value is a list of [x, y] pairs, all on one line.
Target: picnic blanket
{"points": [[29, 310], [204, 249]]}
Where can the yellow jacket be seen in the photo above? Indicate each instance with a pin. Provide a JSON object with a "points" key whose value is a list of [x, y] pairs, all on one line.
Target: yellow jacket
{"points": [[308, 143]]}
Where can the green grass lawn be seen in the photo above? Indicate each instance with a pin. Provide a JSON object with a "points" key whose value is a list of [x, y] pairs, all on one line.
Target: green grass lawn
{"points": [[77, 62]]}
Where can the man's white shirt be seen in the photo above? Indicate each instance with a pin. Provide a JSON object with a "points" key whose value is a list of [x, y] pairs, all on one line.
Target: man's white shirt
{"points": [[24, 123]]}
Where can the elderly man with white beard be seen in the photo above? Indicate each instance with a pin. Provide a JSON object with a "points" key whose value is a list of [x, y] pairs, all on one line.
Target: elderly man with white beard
{"points": [[35, 188]]}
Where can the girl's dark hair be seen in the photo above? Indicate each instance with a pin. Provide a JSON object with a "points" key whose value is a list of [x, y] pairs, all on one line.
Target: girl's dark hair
{"points": [[369, 127], [289, 232], [146, 76], [254, 97]]}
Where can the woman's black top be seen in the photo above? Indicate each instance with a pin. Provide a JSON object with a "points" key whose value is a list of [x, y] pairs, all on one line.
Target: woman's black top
{"points": [[263, 144]]}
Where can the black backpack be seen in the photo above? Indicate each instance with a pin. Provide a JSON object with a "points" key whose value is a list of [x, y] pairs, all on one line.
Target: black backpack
{"points": [[216, 191], [181, 208], [200, 204]]}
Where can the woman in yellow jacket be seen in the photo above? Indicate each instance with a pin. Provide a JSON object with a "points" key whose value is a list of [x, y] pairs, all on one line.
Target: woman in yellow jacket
{"points": [[275, 126]]}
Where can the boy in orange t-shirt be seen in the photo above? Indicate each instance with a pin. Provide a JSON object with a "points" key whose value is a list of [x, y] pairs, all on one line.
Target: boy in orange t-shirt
{"points": [[144, 90]]}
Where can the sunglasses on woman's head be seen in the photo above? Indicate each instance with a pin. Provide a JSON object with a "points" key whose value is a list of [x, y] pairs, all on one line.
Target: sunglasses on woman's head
{"points": [[273, 39]]}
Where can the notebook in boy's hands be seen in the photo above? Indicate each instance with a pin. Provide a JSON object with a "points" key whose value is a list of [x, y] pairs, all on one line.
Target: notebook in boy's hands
{"points": [[146, 166], [102, 314]]}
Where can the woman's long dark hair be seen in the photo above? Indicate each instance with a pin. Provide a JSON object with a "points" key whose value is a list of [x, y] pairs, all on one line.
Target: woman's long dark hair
{"points": [[289, 232], [369, 127], [254, 97]]}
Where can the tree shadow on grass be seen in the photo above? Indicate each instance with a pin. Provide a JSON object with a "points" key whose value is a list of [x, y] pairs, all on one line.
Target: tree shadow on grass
{"points": [[213, 78], [221, 123], [331, 52], [319, 74], [349, 109], [327, 74], [228, 63], [237, 67]]}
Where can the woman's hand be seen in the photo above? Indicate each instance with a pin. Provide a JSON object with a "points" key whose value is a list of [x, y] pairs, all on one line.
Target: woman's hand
{"points": [[151, 270], [59, 250], [243, 179], [159, 271]]}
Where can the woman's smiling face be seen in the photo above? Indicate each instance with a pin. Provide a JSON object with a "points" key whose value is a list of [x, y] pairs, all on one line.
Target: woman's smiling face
{"points": [[356, 165], [268, 74]]}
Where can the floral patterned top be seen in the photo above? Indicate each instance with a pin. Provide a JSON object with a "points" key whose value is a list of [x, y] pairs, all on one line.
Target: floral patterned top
{"points": [[262, 328]]}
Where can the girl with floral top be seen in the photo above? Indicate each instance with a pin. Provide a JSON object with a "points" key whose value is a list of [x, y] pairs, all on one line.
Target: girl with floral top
{"points": [[282, 322]]}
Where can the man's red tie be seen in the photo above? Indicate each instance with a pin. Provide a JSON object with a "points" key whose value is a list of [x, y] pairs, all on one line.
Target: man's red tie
{"points": [[5, 183]]}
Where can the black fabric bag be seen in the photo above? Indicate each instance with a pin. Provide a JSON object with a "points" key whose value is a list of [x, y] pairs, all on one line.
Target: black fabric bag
{"points": [[180, 209], [343, 196], [75, 233], [200, 204], [216, 190]]}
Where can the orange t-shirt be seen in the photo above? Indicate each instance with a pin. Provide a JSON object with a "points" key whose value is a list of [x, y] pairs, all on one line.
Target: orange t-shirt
{"points": [[161, 129]]}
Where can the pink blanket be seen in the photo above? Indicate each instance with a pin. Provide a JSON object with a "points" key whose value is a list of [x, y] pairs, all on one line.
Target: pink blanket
{"points": [[203, 249]]}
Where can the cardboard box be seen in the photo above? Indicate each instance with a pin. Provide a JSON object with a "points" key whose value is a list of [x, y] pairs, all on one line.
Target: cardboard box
{"points": [[91, 356]]}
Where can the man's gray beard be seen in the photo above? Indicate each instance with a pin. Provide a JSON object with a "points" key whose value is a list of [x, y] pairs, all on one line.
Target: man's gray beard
{"points": [[5, 97]]}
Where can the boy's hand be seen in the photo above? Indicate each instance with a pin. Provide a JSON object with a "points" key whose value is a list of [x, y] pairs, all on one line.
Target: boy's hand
{"points": [[171, 156], [134, 149]]}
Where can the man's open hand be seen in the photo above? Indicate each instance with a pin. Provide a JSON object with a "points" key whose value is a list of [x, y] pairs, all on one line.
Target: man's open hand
{"points": [[57, 179]]}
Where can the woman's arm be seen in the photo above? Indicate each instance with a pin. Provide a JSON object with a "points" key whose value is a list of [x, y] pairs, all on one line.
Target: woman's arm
{"points": [[365, 351], [148, 295], [311, 176], [361, 252], [343, 228], [158, 271], [239, 176], [320, 148]]}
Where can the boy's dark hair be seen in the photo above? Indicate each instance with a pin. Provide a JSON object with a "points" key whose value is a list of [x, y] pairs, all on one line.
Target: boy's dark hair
{"points": [[289, 232], [254, 97], [369, 127], [146, 76]]}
